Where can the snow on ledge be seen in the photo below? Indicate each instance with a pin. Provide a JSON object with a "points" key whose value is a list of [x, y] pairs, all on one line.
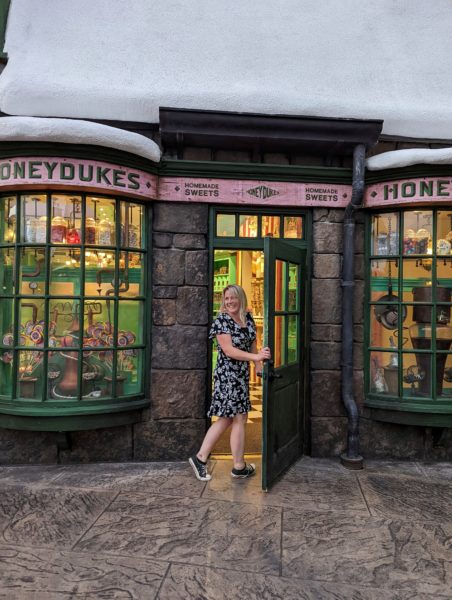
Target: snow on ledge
{"points": [[69, 131], [412, 156]]}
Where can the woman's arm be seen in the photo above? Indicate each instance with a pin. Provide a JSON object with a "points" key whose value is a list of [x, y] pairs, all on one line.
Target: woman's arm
{"points": [[225, 342], [257, 363]]}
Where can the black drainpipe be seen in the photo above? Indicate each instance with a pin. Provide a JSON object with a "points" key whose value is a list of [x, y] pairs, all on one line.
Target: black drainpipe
{"points": [[351, 459]]}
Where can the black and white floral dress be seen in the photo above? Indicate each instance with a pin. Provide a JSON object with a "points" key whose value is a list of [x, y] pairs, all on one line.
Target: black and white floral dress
{"points": [[231, 377]]}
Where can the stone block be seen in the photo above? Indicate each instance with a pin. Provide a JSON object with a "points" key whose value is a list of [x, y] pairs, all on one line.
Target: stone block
{"points": [[179, 347], [326, 394], [326, 333], [168, 267], [164, 291], [163, 312], [162, 240], [178, 394], [99, 445], [189, 241], [328, 238], [358, 302], [192, 307], [336, 215], [390, 440], [358, 333], [325, 355], [328, 436], [359, 238], [326, 301], [22, 447], [359, 266], [327, 266], [196, 267], [358, 356], [178, 217], [172, 439], [320, 214]]}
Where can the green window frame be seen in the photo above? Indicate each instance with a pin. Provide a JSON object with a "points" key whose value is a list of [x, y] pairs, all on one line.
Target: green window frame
{"points": [[408, 330], [74, 309]]}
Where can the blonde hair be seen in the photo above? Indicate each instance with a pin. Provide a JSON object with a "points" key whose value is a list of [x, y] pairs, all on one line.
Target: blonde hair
{"points": [[239, 293]]}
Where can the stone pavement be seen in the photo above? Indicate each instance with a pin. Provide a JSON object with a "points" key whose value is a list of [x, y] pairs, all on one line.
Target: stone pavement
{"points": [[151, 530]]}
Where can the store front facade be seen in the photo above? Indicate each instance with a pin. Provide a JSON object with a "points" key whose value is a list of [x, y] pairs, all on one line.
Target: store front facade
{"points": [[111, 270]]}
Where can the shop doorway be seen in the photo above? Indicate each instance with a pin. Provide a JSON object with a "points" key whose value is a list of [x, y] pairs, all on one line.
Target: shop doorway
{"points": [[245, 268], [275, 284]]}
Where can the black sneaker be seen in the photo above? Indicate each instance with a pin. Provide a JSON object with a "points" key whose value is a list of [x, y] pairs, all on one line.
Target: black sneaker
{"points": [[199, 468], [248, 471]]}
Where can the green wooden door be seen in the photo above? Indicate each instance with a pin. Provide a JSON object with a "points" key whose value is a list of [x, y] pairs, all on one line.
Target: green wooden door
{"points": [[283, 385]]}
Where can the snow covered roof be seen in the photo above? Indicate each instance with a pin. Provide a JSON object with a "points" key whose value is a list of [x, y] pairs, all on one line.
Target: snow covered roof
{"points": [[103, 59], [68, 131], [412, 156]]}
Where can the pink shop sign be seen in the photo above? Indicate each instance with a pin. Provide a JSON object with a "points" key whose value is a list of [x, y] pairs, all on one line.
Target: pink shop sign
{"points": [[423, 190], [257, 193], [40, 172]]}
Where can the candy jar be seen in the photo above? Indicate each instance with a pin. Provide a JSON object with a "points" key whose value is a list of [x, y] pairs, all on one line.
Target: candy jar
{"points": [[90, 231], [408, 242], [41, 230], [106, 233], [30, 229], [421, 241], [58, 230], [73, 236]]}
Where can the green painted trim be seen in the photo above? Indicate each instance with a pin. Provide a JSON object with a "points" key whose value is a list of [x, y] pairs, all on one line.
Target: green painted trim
{"points": [[409, 418], [80, 151], [268, 172], [4, 11], [71, 423], [411, 172]]}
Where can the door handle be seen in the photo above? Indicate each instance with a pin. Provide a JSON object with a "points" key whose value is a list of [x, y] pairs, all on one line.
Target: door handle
{"points": [[273, 375]]}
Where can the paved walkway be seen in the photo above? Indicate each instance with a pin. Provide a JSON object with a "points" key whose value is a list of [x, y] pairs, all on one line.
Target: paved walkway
{"points": [[144, 531]]}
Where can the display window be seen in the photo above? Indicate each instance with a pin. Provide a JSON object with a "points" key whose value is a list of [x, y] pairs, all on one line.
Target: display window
{"points": [[72, 299], [409, 332]]}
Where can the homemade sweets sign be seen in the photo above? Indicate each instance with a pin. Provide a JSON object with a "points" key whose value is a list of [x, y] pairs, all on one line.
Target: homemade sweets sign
{"points": [[37, 172]]}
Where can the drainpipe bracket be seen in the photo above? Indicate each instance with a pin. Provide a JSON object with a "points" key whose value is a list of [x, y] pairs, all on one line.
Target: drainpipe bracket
{"points": [[353, 464]]}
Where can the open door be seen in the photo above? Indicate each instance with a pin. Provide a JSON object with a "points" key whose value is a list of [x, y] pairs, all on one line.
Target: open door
{"points": [[283, 377]]}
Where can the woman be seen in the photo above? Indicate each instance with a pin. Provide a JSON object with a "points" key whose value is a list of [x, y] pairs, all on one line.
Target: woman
{"points": [[235, 331]]}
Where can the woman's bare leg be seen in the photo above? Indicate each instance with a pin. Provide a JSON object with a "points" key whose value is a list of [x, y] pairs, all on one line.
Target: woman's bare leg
{"points": [[212, 436], [238, 440]]}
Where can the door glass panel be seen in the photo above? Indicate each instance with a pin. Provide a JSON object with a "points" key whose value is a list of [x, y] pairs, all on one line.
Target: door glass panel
{"points": [[417, 232], [417, 375], [32, 271], [280, 341], [6, 372], [65, 272], [385, 234], [131, 274], [64, 324], [6, 271], [132, 225], [444, 233], [30, 374], [292, 343], [34, 219], [271, 226], [226, 225], [248, 226], [97, 372], [8, 219], [293, 227], [280, 285], [130, 323], [293, 287]]}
